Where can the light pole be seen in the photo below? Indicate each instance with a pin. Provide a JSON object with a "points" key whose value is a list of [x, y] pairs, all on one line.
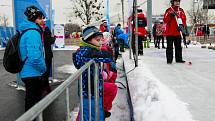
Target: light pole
{"points": [[123, 14], [149, 14], [136, 34], [4, 25]]}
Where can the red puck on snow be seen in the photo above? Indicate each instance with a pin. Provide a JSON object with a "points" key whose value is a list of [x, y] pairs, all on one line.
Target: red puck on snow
{"points": [[189, 63]]}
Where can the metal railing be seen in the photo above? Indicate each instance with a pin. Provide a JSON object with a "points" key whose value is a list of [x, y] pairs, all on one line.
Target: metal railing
{"points": [[37, 110]]}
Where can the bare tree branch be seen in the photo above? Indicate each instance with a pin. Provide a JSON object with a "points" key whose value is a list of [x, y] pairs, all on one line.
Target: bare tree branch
{"points": [[87, 10]]}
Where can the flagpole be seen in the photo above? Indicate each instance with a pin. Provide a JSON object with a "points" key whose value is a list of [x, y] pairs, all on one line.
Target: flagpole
{"points": [[14, 18], [108, 14]]}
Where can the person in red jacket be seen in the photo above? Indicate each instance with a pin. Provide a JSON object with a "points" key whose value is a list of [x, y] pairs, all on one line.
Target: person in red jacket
{"points": [[142, 34], [103, 26], [175, 20]]}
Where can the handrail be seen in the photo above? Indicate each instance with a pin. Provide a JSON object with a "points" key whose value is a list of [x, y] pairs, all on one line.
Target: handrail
{"points": [[37, 110]]}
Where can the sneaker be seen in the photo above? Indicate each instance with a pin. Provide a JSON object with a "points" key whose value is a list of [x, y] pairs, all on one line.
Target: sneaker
{"points": [[107, 114], [13, 84], [181, 61], [20, 88]]}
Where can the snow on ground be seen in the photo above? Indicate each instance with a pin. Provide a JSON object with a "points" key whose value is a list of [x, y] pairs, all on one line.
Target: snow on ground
{"points": [[69, 69], [1, 48], [152, 100], [67, 48]]}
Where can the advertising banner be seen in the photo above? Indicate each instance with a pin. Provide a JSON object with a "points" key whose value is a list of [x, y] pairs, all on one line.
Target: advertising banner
{"points": [[59, 34]]}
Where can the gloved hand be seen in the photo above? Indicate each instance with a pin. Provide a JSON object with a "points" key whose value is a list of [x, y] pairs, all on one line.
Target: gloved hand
{"points": [[173, 14], [181, 28]]}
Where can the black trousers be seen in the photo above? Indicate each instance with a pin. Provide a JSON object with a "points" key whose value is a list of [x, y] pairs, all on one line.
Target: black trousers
{"points": [[160, 38], [178, 49], [155, 40], [34, 89], [140, 44], [46, 86]]}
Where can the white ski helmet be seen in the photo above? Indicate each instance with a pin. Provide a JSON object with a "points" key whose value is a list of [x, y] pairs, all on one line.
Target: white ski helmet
{"points": [[106, 38]]}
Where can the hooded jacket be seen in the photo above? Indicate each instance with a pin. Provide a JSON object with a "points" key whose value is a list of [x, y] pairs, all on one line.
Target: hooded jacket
{"points": [[171, 23], [31, 47], [83, 55]]}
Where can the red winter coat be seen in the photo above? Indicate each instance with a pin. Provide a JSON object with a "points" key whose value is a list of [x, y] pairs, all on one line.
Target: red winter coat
{"points": [[171, 23], [142, 23], [103, 28]]}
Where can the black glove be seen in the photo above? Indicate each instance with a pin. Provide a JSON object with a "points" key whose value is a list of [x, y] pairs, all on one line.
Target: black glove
{"points": [[182, 29], [187, 31], [173, 14]]}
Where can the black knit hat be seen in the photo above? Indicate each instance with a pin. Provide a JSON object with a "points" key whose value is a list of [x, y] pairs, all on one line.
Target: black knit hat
{"points": [[172, 1], [33, 13]]}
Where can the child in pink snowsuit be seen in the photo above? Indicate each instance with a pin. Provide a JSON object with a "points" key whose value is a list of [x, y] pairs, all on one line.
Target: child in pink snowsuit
{"points": [[109, 76]]}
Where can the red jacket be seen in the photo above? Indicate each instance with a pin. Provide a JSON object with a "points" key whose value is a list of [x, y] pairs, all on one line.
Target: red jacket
{"points": [[103, 28], [142, 23], [171, 23]]}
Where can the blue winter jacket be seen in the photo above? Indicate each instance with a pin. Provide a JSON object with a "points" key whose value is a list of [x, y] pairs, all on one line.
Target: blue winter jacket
{"points": [[31, 47], [86, 53], [117, 32]]}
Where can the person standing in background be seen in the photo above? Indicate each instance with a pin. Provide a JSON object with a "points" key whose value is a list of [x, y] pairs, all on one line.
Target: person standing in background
{"points": [[175, 20], [48, 39]]}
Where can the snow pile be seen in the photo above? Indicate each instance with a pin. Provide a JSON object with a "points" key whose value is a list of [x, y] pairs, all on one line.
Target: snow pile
{"points": [[67, 48], [69, 69], [152, 100]]}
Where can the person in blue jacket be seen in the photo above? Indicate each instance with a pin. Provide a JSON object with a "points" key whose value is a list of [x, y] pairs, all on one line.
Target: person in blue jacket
{"points": [[90, 50], [31, 50]]}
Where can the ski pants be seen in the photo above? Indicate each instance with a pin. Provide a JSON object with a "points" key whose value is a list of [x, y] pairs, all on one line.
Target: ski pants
{"points": [[178, 49], [160, 38], [140, 44], [110, 91]]}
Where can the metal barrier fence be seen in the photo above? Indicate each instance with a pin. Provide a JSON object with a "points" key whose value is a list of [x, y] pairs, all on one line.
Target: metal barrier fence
{"points": [[37, 110]]}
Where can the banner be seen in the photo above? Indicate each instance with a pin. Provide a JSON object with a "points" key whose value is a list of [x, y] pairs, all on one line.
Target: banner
{"points": [[59, 34], [21, 5]]}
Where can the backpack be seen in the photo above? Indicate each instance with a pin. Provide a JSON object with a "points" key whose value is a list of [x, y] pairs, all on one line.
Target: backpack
{"points": [[12, 60]]}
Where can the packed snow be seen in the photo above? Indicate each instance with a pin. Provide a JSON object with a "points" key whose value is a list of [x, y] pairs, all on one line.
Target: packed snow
{"points": [[152, 100]]}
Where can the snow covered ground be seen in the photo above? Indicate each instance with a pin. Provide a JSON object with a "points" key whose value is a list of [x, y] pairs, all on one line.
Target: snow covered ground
{"points": [[2, 48], [67, 48], [177, 92], [161, 92]]}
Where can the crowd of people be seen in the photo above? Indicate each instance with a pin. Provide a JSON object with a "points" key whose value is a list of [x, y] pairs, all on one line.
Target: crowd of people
{"points": [[101, 45]]}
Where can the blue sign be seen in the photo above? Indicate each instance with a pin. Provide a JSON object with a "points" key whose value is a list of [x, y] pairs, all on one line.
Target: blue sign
{"points": [[21, 5]]}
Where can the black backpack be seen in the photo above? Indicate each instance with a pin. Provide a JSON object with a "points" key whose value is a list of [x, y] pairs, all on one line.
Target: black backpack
{"points": [[12, 61]]}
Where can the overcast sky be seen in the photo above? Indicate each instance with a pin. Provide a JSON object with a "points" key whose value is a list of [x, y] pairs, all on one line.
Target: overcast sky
{"points": [[63, 8]]}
